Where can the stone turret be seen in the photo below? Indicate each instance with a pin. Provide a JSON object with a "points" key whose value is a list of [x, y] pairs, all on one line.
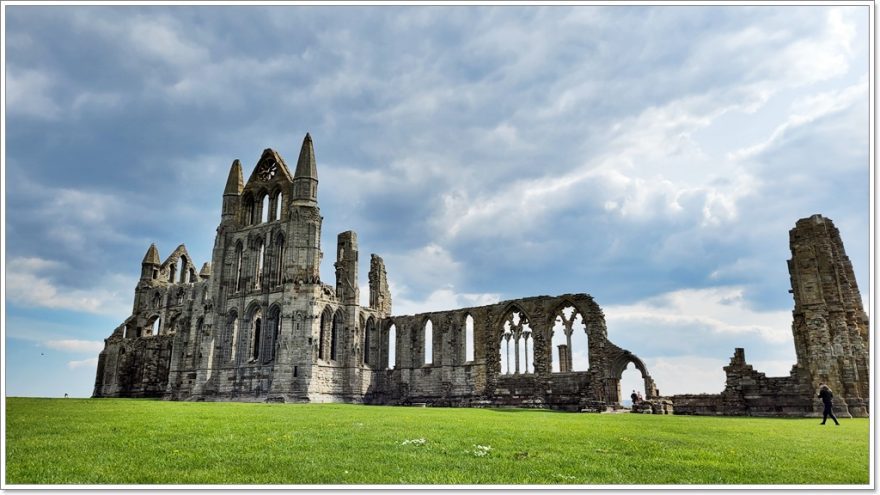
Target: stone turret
{"points": [[151, 263], [205, 272], [305, 179], [232, 192]]}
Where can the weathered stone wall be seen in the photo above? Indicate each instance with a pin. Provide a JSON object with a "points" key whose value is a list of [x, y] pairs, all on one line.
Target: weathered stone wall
{"points": [[450, 380]]}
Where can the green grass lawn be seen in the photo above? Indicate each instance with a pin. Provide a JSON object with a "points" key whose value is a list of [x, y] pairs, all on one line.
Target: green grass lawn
{"points": [[128, 441]]}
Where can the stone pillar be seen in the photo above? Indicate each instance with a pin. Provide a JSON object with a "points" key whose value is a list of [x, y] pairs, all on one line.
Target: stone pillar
{"points": [[564, 359]]}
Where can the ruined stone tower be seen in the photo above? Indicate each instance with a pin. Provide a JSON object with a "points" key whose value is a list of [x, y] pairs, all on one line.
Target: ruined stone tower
{"points": [[830, 325]]}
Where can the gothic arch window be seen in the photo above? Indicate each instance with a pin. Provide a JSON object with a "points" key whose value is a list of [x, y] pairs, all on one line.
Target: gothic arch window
{"points": [[232, 329], [248, 213], [183, 271], [260, 253], [569, 344], [468, 338], [368, 339], [157, 300], [256, 334], [277, 204], [238, 255], [272, 332], [172, 270], [392, 347], [335, 334], [200, 327], [516, 347], [155, 326], [264, 209], [428, 347], [192, 275], [279, 260], [324, 336]]}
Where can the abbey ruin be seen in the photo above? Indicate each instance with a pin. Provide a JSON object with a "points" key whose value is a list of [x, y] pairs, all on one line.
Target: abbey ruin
{"points": [[257, 323]]}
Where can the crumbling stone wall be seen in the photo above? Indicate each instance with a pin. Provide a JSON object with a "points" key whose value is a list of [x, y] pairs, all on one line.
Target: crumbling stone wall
{"points": [[450, 380], [830, 329]]}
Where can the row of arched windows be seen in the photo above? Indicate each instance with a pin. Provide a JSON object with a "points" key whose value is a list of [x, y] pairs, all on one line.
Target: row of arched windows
{"points": [[266, 209], [389, 358], [186, 276], [262, 274]]}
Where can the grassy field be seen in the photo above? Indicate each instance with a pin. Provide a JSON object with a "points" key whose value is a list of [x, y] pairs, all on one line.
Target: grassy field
{"points": [[120, 441]]}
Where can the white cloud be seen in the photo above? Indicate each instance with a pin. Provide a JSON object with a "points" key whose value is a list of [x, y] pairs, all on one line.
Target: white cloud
{"points": [[28, 284], [805, 111], [85, 363], [428, 266], [687, 374], [440, 300], [72, 345], [28, 92], [720, 309]]}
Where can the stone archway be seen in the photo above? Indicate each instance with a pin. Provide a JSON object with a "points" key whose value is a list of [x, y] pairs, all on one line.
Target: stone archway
{"points": [[619, 362]]}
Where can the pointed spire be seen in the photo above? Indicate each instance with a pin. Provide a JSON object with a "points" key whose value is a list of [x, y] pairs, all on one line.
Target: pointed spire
{"points": [[235, 182], [205, 272], [152, 256], [305, 166]]}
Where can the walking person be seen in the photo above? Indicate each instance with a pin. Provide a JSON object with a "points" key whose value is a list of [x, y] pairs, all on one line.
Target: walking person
{"points": [[826, 396], [634, 397]]}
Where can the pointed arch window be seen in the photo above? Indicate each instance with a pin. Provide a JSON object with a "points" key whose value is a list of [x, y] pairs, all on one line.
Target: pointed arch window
{"points": [[197, 348], [277, 203], [392, 347], [156, 326], [569, 341], [256, 335], [238, 255], [248, 209], [183, 271], [516, 346], [264, 209], [469, 339], [324, 336], [279, 260], [258, 269], [273, 331], [233, 331], [368, 340], [335, 333], [429, 342]]}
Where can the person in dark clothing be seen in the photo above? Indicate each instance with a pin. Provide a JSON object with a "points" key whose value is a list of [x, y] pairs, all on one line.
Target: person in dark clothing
{"points": [[826, 396], [634, 397]]}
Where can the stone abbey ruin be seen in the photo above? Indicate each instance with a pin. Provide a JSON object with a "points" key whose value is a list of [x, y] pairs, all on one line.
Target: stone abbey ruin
{"points": [[259, 324]]}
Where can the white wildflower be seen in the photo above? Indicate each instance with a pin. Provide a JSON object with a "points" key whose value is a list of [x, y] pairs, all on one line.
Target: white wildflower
{"points": [[414, 441], [481, 450]]}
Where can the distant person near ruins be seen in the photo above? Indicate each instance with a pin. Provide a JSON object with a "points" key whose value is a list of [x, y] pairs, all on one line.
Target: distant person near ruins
{"points": [[826, 395], [634, 396]]}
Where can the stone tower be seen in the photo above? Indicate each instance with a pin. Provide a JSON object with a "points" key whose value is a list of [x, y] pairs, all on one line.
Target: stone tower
{"points": [[830, 325]]}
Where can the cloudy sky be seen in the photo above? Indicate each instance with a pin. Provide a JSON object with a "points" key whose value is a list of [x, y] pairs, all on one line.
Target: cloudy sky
{"points": [[654, 158]]}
